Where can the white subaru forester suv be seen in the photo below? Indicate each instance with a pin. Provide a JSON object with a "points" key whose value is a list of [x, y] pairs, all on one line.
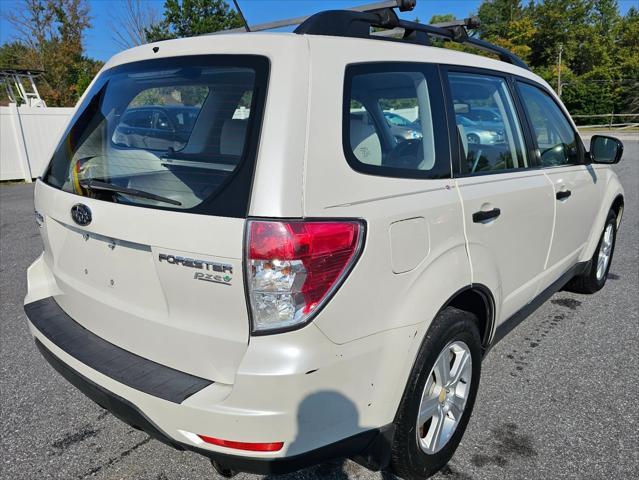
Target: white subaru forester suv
{"points": [[243, 258]]}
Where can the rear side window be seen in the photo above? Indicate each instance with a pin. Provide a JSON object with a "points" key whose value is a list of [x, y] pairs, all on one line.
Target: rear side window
{"points": [[556, 139], [389, 127], [177, 133], [488, 128]]}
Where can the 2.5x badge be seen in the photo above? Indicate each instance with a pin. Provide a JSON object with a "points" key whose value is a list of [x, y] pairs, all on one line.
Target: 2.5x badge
{"points": [[212, 271]]}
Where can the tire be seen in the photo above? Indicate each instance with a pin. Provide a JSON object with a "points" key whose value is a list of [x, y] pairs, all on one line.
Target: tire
{"points": [[595, 278], [414, 455]]}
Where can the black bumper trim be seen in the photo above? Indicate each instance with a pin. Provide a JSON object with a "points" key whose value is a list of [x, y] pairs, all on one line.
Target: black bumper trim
{"points": [[121, 365], [365, 446]]}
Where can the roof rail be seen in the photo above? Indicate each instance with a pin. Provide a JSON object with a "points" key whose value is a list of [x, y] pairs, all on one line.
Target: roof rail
{"points": [[346, 23]]}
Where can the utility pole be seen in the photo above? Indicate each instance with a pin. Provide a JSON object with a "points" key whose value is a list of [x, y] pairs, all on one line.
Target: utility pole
{"points": [[561, 49]]}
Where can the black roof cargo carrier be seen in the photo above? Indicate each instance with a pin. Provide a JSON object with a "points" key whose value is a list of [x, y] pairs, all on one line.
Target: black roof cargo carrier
{"points": [[365, 21]]}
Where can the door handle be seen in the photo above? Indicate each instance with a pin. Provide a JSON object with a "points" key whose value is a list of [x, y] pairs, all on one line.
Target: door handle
{"points": [[563, 194], [482, 216]]}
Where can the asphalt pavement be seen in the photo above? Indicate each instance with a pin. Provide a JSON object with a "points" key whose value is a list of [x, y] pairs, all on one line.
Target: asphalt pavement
{"points": [[558, 397]]}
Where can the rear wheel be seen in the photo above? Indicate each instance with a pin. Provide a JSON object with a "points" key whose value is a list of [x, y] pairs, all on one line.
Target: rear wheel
{"points": [[595, 277], [439, 397]]}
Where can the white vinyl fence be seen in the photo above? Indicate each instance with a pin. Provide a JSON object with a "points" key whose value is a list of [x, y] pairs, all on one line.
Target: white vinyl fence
{"points": [[27, 138]]}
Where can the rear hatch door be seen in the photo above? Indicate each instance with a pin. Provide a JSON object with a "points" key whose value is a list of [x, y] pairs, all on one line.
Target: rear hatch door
{"points": [[145, 202]]}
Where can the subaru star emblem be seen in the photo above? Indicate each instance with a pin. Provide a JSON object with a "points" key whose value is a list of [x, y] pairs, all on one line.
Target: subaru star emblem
{"points": [[81, 214]]}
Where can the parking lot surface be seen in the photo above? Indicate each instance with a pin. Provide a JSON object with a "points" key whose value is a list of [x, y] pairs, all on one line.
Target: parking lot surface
{"points": [[558, 396]]}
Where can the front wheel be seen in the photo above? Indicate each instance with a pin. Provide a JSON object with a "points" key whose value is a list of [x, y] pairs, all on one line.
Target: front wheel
{"points": [[593, 279], [439, 397]]}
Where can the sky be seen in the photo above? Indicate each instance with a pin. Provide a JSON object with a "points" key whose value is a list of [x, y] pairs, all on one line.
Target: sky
{"points": [[99, 39]]}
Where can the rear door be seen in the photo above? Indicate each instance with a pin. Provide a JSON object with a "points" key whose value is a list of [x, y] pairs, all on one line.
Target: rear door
{"points": [[156, 266], [576, 187], [508, 206]]}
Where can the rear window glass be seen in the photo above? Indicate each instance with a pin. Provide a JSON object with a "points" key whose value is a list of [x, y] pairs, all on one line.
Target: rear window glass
{"points": [[171, 133], [389, 126], [161, 118]]}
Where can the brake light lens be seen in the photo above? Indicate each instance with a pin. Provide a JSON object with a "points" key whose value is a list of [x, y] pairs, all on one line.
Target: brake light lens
{"points": [[294, 266]]}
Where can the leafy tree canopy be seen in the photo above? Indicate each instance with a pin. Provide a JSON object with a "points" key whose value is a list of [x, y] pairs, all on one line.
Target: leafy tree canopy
{"points": [[188, 18], [599, 47], [50, 38]]}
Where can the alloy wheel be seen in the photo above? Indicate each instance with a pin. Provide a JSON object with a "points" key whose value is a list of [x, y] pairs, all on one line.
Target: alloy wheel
{"points": [[605, 252], [444, 397]]}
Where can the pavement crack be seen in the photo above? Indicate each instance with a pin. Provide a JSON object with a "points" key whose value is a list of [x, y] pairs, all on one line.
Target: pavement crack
{"points": [[113, 460], [84, 432]]}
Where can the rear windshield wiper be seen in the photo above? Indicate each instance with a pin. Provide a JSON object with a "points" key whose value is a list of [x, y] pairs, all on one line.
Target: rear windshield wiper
{"points": [[97, 185]]}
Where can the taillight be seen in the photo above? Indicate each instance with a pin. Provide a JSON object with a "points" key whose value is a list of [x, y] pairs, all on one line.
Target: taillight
{"points": [[294, 266]]}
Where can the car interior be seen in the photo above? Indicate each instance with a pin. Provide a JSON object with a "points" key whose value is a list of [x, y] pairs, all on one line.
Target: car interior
{"points": [[371, 139], [186, 165], [555, 138], [494, 150]]}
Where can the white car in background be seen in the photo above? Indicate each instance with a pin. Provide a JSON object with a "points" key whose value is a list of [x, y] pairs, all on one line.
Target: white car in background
{"points": [[276, 291]]}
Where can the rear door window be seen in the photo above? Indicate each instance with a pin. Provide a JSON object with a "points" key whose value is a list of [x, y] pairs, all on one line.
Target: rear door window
{"points": [[166, 134], [138, 118], [389, 127]]}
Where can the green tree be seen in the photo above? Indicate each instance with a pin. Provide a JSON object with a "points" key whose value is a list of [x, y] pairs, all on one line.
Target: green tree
{"points": [[14, 55], [188, 18], [627, 62], [50, 38], [507, 24], [496, 16], [448, 17], [600, 48], [592, 93], [558, 23]]}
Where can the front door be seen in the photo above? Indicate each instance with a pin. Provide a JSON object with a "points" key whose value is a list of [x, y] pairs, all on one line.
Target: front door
{"points": [[575, 184], [508, 207]]}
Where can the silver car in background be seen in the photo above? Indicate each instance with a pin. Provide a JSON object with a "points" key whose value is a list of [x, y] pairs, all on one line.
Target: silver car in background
{"points": [[476, 134]]}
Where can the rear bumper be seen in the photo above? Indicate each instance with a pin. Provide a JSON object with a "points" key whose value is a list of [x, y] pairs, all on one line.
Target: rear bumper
{"points": [[321, 399], [120, 365], [365, 446]]}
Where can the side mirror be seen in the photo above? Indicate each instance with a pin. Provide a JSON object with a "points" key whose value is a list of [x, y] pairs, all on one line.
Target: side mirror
{"points": [[605, 149]]}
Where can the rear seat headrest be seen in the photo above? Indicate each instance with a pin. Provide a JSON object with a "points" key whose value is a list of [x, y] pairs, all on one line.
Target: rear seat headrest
{"points": [[364, 140], [232, 137]]}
